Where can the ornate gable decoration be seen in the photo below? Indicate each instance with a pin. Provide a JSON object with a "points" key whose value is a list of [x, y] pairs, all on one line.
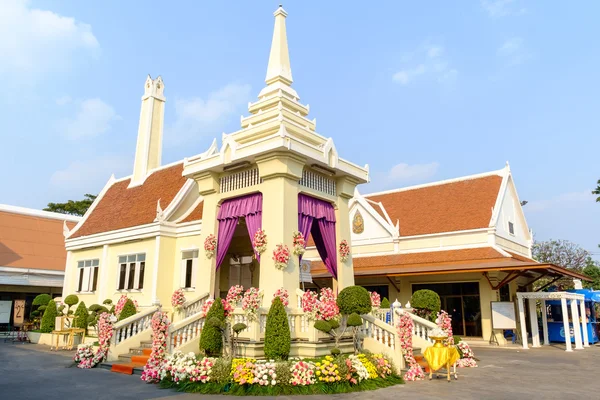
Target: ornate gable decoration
{"points": [[358, 223]]}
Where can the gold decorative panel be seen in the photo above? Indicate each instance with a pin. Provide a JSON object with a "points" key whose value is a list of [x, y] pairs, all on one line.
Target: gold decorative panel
{"points": [[358, 224]]}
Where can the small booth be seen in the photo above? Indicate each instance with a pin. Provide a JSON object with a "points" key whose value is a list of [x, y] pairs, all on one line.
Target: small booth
{"points": [[556, 329]]}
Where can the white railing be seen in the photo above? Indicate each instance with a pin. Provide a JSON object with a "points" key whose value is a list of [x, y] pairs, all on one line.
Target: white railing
{"points": [[183, 331], [133, 325], [383, 314], [379, 331], [318, 182], [239, 180], [421, 326], [194, 306]]}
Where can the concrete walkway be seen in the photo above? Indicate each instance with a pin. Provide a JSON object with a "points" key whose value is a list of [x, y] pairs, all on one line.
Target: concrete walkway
{"points": [[33, 372]]}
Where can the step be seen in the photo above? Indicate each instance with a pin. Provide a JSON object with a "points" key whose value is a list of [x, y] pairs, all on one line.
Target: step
{"points": [[420, 359], [126, 368]]}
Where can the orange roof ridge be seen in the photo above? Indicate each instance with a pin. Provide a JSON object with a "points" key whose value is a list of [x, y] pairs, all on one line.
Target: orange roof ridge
{"points": [[499, 172]]}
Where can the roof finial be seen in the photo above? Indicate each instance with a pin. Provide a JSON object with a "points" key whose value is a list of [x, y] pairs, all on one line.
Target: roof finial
{"points": [[279, 68]]}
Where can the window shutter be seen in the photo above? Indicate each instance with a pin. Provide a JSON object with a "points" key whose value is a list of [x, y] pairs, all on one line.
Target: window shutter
{"points": [[182, 274]]}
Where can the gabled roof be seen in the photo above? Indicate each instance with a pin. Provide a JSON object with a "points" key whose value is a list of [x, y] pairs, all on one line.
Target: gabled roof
{"points": [[196, 214], [122, 207], [33, 239], [445, 206]]}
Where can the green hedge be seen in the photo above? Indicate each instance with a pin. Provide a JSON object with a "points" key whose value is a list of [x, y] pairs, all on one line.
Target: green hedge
{"points": [[426, 303], [277, 332], [354, 299], [211, 339], [81, 316], [128, 310], [49, 318]]}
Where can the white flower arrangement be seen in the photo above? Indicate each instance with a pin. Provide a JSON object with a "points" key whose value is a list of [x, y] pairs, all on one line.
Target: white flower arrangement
{"points": [[437, 332]]}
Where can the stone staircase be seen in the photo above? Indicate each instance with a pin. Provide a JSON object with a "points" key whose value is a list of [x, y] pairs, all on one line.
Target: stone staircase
{"points": [[131, 363]]}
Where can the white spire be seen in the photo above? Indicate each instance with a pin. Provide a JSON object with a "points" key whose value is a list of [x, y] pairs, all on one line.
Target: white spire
{"points": [[279, 68]]}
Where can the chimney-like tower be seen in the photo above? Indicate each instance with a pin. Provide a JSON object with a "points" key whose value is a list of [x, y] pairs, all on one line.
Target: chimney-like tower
{"points": [[148, 150]]}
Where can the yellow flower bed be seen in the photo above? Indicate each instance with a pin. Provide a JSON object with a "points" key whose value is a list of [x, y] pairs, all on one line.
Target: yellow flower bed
{"points": [[327, 370], [241, 370], [368, 365]]}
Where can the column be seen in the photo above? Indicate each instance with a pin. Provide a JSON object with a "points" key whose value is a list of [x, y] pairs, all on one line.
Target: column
{"points": [[345, 270], [533, 321], [565, 315], [521, 303], [576, 325], [545, 323], [584, 324]]}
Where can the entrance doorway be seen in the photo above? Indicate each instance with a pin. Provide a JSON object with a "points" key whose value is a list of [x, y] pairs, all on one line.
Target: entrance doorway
{"points": [[461, 300]]}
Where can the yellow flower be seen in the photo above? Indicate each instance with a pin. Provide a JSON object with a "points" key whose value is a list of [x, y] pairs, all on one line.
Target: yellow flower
{"points": [[318, 372]]}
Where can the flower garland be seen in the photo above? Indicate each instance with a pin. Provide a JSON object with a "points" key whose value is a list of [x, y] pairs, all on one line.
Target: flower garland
{"points": [[283, 295], [344, 250], [160, 329], [121, 303], [309, 303], [298, 244], [323, 307], [468, 357], [178, 300], [235, 295], [375, 300], [281, 256], [251, 302], [444, 322], [105, 332], [260, 241], [210, 246], [405, 331]]}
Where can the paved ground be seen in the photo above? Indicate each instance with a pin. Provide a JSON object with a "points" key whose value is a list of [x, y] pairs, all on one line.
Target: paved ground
{"points": [[32, 372]]}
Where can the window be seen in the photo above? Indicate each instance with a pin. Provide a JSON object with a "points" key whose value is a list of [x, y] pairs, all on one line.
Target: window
{"points": [[189, 261], [131, 271], [240, 271], [88, 275], [511, 228]]}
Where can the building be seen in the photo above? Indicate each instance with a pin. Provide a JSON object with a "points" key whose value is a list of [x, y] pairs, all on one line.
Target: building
{"points": [[144, 235], [32, 254]]}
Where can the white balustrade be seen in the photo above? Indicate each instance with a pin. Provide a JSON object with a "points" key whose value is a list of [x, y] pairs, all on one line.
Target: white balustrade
{"points": [[379, 331], [239, 180], [194, 306], [318, 182], [184, 331], [133, 325]]}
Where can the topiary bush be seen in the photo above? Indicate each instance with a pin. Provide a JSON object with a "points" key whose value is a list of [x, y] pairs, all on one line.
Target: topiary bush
{"points": [[211, 339], [81, 317], [426, 304], [128, 310], [354, 320], [41, 300], [49, 318], [108, 302], [354, 299], [277, 332], [385, 303]]}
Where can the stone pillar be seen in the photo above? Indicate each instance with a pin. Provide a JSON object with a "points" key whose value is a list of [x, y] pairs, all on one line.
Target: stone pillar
{"points": [[565, 315], [545, 323], [576, 325], [345, 270], [280, 173], [521, 304], [533, 322], [584, 322]]}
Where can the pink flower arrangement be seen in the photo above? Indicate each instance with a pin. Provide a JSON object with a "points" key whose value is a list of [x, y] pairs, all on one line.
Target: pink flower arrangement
{"points": [[375, 300], [160, 334], [121, 303], [259, 242], [251, 302], [298, 244], [323, 307], [444, 322], [210, 246], [468, 357], [303, 373], [264, 373], [344, 250], [309, 303], [105, 332], [281, 256], [283, 295], [227, 307], [178, 300], [405, 332], [235, 294]]}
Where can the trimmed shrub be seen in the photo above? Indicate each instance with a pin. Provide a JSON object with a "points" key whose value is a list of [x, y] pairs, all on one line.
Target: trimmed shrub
{"points": [[354, 299], [323, 326], [277, 332], [354, 320], [81, 316], [457, 339], [211, 339], [335, 351], [42, 308], [385, 303], [334, 323], [41, 300], [108, 302], [426, 303], [49, 317], [71, 300], [128, 310], [97, 308], [237, 328], [61, 308]]}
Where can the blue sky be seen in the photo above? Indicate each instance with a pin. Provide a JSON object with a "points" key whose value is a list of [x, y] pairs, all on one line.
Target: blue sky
{"points": [[419, 91]]}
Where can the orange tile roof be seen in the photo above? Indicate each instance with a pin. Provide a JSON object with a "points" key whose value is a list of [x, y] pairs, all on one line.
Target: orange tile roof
{"points": [[196, 214], [454, 206], [32, 242], [121, 207]]}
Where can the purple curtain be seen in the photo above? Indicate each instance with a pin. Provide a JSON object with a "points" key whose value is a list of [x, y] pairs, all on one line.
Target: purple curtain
{"points": [[254, 223], [311, 210], [229, 213]]}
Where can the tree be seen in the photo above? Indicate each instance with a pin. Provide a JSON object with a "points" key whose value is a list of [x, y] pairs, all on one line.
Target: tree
{"points": [[211, 338], [277, 332], [49, 318], [562, 253], [128, 310], [72, 207], [81, 317], [593, 271], [597, 191]]}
